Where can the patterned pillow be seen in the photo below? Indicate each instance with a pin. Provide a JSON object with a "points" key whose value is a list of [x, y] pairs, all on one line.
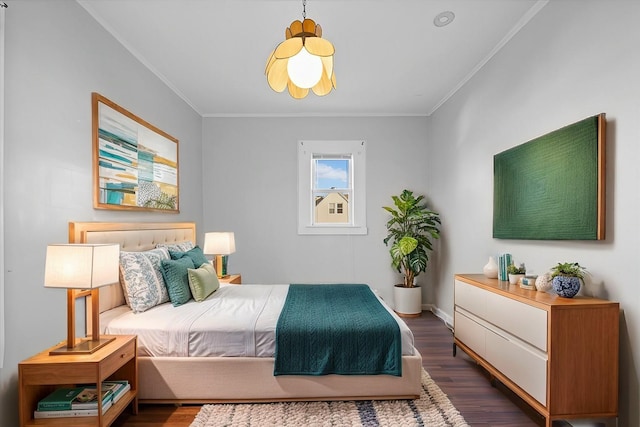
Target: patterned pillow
{"points": [[203, 281], [142, 278], [196, 255], [176, 279], [177, 247]]}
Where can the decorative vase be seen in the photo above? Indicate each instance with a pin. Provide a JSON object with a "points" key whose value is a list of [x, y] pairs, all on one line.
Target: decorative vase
{"points": [[566, 286], [515, 278], [543, 282], [491, 269]]}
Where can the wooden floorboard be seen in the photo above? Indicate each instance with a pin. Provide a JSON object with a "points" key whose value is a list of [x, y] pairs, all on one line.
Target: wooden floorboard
{"points": [[466, 384]]}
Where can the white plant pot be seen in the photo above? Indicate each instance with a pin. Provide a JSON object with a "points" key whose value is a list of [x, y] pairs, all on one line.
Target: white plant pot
{"points": [[515, 278], [407, 301]]}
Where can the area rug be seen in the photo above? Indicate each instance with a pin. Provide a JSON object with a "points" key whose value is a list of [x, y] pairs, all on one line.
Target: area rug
{"points": [[432, 409]]}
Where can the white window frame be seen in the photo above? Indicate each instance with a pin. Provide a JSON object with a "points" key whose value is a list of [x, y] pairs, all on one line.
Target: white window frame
{"points": [[306, 151]]}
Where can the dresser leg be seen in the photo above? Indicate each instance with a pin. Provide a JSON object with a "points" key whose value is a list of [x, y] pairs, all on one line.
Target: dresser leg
{"points": [[454, 349]]}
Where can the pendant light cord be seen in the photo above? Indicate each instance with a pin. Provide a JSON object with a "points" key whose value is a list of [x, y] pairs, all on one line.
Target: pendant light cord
{"points": [[304, 9]]}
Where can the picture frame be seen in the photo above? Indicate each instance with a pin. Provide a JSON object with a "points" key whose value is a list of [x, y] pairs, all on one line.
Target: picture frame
{"points": [[135, 164], [553, 187]]}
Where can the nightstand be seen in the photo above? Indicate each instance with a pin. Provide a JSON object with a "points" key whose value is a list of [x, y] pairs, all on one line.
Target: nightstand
{"points": [[234, 279], [41, 374]]}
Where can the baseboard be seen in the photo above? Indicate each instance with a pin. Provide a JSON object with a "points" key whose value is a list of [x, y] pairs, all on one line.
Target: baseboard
{"points": [[448, 320]]}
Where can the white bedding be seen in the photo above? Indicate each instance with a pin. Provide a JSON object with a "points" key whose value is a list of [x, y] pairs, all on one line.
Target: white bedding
{"points": [[236, 320]]}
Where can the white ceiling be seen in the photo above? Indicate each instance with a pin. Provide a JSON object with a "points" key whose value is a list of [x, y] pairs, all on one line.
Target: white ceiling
{"points": [[390, 57]]}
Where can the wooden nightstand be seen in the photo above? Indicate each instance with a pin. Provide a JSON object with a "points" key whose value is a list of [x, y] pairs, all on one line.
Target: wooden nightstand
{"points": [[41, 374], [234, 279]]}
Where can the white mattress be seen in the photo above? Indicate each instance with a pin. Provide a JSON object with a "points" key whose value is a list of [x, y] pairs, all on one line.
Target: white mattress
{"points": [[236, 320]]}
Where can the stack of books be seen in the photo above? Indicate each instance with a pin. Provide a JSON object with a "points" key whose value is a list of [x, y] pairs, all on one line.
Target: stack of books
{"points": [[504, 261], [80, 401]]}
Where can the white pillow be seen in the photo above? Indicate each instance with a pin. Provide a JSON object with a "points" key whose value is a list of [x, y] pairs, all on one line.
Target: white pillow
{"points": [[142, 278]]}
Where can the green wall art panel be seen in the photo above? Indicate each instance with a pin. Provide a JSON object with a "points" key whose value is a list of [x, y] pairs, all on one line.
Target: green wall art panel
{"points": [[552, 187]]}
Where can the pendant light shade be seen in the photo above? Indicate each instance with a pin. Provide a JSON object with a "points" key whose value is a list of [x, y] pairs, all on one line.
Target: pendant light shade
{"points": [[303, 61]]}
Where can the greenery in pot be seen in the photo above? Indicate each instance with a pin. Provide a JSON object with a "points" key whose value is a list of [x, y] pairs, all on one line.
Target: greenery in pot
{"points": [[567, 278], [410, 230], [569, 269], [516, 269]]}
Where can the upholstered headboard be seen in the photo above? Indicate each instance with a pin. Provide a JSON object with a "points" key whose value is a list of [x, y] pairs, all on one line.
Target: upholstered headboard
{"points": [[132, 237]]}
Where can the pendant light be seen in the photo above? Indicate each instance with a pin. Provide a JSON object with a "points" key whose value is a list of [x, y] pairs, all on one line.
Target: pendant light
{"points": [[303, 61]]}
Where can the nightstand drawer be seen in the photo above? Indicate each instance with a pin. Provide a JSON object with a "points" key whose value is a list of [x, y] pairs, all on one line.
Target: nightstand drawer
{"points": [[118, 358]]}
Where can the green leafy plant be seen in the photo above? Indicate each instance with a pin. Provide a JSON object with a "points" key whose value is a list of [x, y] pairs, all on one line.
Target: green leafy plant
{"points": [[569, 269], [516, 269], [410, 230]]}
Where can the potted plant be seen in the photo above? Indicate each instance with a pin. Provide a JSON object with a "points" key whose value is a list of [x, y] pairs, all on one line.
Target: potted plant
{"points": [[567, 278], [516, 272], [409, 233]]}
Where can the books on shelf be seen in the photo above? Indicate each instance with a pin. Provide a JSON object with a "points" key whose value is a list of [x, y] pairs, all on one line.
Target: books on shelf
{"points": [[67, 398], [80, 401], [72, 412], [119, 388]]}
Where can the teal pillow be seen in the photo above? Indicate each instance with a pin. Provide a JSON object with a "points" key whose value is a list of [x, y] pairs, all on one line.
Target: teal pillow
{"points": [[196, 255], [203, 281], [176, 278]]}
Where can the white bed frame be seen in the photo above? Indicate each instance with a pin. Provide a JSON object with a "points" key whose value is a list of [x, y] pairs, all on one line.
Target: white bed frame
{"points": [[228, 379]]}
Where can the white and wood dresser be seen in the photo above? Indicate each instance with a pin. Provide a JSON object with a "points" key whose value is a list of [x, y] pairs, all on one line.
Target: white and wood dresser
{"points": [[560, 355]]}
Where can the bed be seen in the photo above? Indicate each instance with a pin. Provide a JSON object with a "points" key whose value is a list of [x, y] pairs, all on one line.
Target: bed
{"points": [[190, 376]]}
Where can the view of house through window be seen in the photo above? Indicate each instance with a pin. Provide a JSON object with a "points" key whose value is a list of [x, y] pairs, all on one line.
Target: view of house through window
{"points": [[332, 188]]}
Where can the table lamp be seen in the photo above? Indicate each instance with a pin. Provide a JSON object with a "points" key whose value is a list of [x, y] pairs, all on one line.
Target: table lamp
{"points": [[220, 244], [81, 269]]}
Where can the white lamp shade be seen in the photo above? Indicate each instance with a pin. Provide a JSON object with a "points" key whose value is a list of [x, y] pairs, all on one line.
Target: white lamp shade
{"points": [[219, 243], [81, 266]]}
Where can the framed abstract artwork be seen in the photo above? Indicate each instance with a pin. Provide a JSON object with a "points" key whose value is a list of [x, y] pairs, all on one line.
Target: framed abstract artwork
{"points": [[553, 187], [135, 164]]}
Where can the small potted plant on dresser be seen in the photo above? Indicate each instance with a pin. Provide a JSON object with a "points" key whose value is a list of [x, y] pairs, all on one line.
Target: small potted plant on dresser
{"points": [[567, 278], [516, 273], [409, 232]]}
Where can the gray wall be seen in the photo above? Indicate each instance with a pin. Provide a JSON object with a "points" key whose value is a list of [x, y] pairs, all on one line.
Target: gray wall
{"points": [[56, 55], [251, 188], [573, 60]]}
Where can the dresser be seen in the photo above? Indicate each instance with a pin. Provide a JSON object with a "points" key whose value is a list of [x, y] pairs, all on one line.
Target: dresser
{"points": [[560, 355]]}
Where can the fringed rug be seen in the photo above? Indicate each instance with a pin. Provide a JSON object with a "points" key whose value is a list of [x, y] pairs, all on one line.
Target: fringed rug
{"points": [[432, 409]]}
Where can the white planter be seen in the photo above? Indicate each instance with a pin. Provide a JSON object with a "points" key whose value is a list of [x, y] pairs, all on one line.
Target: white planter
{"points": [[515, 278], [407, 301]]}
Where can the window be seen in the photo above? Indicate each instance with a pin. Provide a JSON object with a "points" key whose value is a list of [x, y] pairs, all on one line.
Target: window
{"points": [[331, 187]]}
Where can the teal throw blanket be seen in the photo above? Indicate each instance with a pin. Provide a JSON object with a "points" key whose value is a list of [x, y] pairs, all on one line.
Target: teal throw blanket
{"points": [[336, 329]]}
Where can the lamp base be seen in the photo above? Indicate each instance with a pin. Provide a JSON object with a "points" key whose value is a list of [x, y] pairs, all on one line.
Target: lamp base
{"points": [[221, 266], [87, 346]]}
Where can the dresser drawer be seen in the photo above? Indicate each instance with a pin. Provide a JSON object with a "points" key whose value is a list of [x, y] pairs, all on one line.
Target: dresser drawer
{"points": [[524, 366], [471, 298], [524, 321], [470, 333]]}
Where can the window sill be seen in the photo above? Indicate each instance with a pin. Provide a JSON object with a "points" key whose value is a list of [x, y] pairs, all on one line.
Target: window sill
{"points": [[332, 230]]}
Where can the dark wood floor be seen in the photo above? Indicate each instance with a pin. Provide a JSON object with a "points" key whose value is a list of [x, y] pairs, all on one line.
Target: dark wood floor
{"points": [[466, 384]]}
